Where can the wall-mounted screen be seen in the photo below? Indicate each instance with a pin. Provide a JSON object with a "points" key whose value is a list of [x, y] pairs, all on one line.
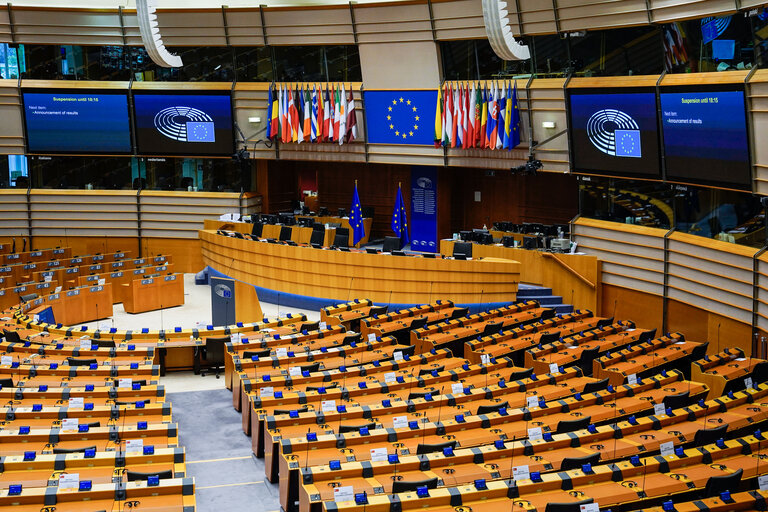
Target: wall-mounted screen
{"points": [[705, 135], [183, 124], [614, 131], [76, 121]]}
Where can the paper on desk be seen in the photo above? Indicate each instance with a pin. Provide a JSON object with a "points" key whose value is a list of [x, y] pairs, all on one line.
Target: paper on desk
{"points": [[589, 507], [398, 356], [125, 382], [535, 434], [378, 454], [531, 401], [322, 326], [134, 445], [75, 402], [521, 473], [457, 388], [344, 493], [399, 422], [294, 371], [6, 360], [659, 410], [267, 391], [69, 481], [69, 424], [667, 448], [328, 405], [632, 379], [371, 336], [390, 377]]}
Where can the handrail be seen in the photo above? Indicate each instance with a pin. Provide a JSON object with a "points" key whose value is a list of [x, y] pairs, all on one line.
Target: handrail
{"points": [[569, 269]]}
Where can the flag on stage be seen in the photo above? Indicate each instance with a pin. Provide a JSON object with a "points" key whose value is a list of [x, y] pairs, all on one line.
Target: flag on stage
{"points": [[493, 116], [356, 218], [336, 118], [400, 117], [502, 105], [439, 118], [399, 218], [448, 116], [516, 134], [483, 119], [331, 116], [313, 128], [351, 118], [457, 123], [284, 128], [300, 115], [465, 104], [327, 124], [320, 114], [342, 115], [307, 100], [269, 113], [507, 120]]}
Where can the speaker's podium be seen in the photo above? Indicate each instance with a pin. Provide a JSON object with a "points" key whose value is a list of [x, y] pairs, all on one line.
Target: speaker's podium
{"points": [[153, 293]]}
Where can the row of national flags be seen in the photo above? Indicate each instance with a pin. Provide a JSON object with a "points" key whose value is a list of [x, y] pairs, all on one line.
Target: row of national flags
{"points": [[478, 116], [303, 114]]}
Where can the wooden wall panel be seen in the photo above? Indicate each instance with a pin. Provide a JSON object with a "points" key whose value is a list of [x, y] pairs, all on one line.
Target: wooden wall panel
{"points": [[462, 19], [99, 213], [757, 92], [157, 206], [244, 27], [762, 292], [601, 13], [13, 214], [671, 10], [332, 25], [67, 26], [189, 28], [645, 309], [382, 24], [11, 128]]}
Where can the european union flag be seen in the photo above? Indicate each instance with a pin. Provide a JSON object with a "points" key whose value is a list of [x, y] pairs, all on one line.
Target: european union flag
{"points": [[628, 143], [356, 219], [200, 132], [400, 117], [399, 219]]}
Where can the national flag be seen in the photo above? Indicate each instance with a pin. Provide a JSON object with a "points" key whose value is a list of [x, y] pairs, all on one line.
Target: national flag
{"points": [[351, 118], [326, 116], [508, 119], [342, 115], [483, 119], [502, 105], [336, 118], [313, 127], [516, 134], [399, 218], [471, 118], [300, 115], [269, 112], [439, 117], [455, 136], [448, 123], [478, 116], [284, 128], [320, 113], [493, 115], [292, 114], [465, 114], [356, 218], [307, 115]]}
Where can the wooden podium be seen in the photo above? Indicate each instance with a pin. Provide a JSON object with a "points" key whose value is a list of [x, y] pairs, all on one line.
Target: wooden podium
{"points": [[150, 294]]}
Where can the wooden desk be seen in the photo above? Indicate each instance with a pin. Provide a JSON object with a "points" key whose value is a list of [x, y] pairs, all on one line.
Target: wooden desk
{"points": [[155, 293], [123, 277], [343, 276], [79, 305]]}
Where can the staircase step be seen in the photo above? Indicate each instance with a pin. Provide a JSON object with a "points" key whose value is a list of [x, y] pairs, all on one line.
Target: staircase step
{"points": [[546, 300], [561, 308], [526, 290]]}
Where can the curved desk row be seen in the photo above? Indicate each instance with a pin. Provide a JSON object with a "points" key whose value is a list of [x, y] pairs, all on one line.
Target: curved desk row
{"points": [[337, 276]]}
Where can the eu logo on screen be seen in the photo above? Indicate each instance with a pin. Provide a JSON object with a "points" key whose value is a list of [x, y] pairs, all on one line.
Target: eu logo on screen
{"points": [[628, 143], [200, 132]]}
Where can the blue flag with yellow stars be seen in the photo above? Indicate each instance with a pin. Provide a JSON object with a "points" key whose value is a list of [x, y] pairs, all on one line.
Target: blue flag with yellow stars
{"points": [[400, 117], [399, 219], [356, 219]]}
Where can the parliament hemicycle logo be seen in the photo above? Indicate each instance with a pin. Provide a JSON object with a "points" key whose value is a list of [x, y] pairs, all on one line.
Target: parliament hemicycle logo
{"points": [[614, 133], [185, 124], [223, 291]]}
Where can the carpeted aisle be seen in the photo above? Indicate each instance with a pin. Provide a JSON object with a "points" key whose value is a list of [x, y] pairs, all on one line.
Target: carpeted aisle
{"points": [[227, 475]]}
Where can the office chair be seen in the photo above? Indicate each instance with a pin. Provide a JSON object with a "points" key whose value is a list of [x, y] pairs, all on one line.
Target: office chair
{"points": [[391, 243], [573, 506], [378, 310], [463, 249], [709, 435], [418, 323], [432, 448], [759, 373], [549, 337], [6, 383], [522, 374], [405, 486], [343, 429], [508, 241], [591, 387], [107, 343], [213, 354], [11, 336], [577, 462], [342, 212], [317, 236], [257, 229], [564, 426], [677, 401], [285, 233], [28, 297], [57, 451], [81, 362], [323, 212], [466, 236], [587, 357], [717, 484], [492, 328], [248, 354], [428, 371], [134, 476], [530, 242], [341, 239], [368, 211], [351, 337], [309, 326], [485, 409], [311, 368], [459, 312]]}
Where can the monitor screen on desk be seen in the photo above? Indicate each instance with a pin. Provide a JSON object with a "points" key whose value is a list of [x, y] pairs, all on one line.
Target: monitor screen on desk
{"points": [[705, 135], [77, 121], [614, 131], [175, 123]]}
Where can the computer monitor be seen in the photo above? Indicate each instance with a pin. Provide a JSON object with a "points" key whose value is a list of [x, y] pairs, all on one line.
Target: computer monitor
{"points": [[508, 241], [466, 236], [462, 249], [342, 212], [287, 219], [485, 238], [530, 242]]}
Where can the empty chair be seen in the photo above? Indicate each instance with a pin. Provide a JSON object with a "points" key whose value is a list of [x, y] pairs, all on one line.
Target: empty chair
{"points": [[572, 506], [524, 374], [28, 297], [549, 337], [326, 386], [278, 412], [213, 354], [317, 237], [311, 368], [6, 383], [418, 323], [647, 336], [459, 312], [678, 400], [309, 326], [717, 484], [80, 362], [587, 357], [604, 322], [257, 229], [760, 372], [378, 310], [591, 387], [248, 354], [73, 450], [11, 336], [391, 243], [355, 428], [699, 351], [432, 448], [427, 371], [709, 435], [405, 485], [564, 426], [463, 249], [285, 233], [341, 239], [492, 328], [106, 343], [134, 476], [577, 462], [351, 337], [485, 409]]}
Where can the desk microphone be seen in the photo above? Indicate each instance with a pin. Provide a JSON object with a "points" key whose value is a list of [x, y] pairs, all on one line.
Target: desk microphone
{"points": [[718, 338], [512, 460], [306, 458], [440, 405]]}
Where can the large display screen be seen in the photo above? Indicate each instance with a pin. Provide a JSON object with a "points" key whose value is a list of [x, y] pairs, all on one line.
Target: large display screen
{"points": [[183, 124], [705, 135], [77, 122], [614, 131]]}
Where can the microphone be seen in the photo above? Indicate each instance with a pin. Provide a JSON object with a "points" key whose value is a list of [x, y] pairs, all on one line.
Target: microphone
{"points": [[718, 338], [615, 302], [349, 294]]}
